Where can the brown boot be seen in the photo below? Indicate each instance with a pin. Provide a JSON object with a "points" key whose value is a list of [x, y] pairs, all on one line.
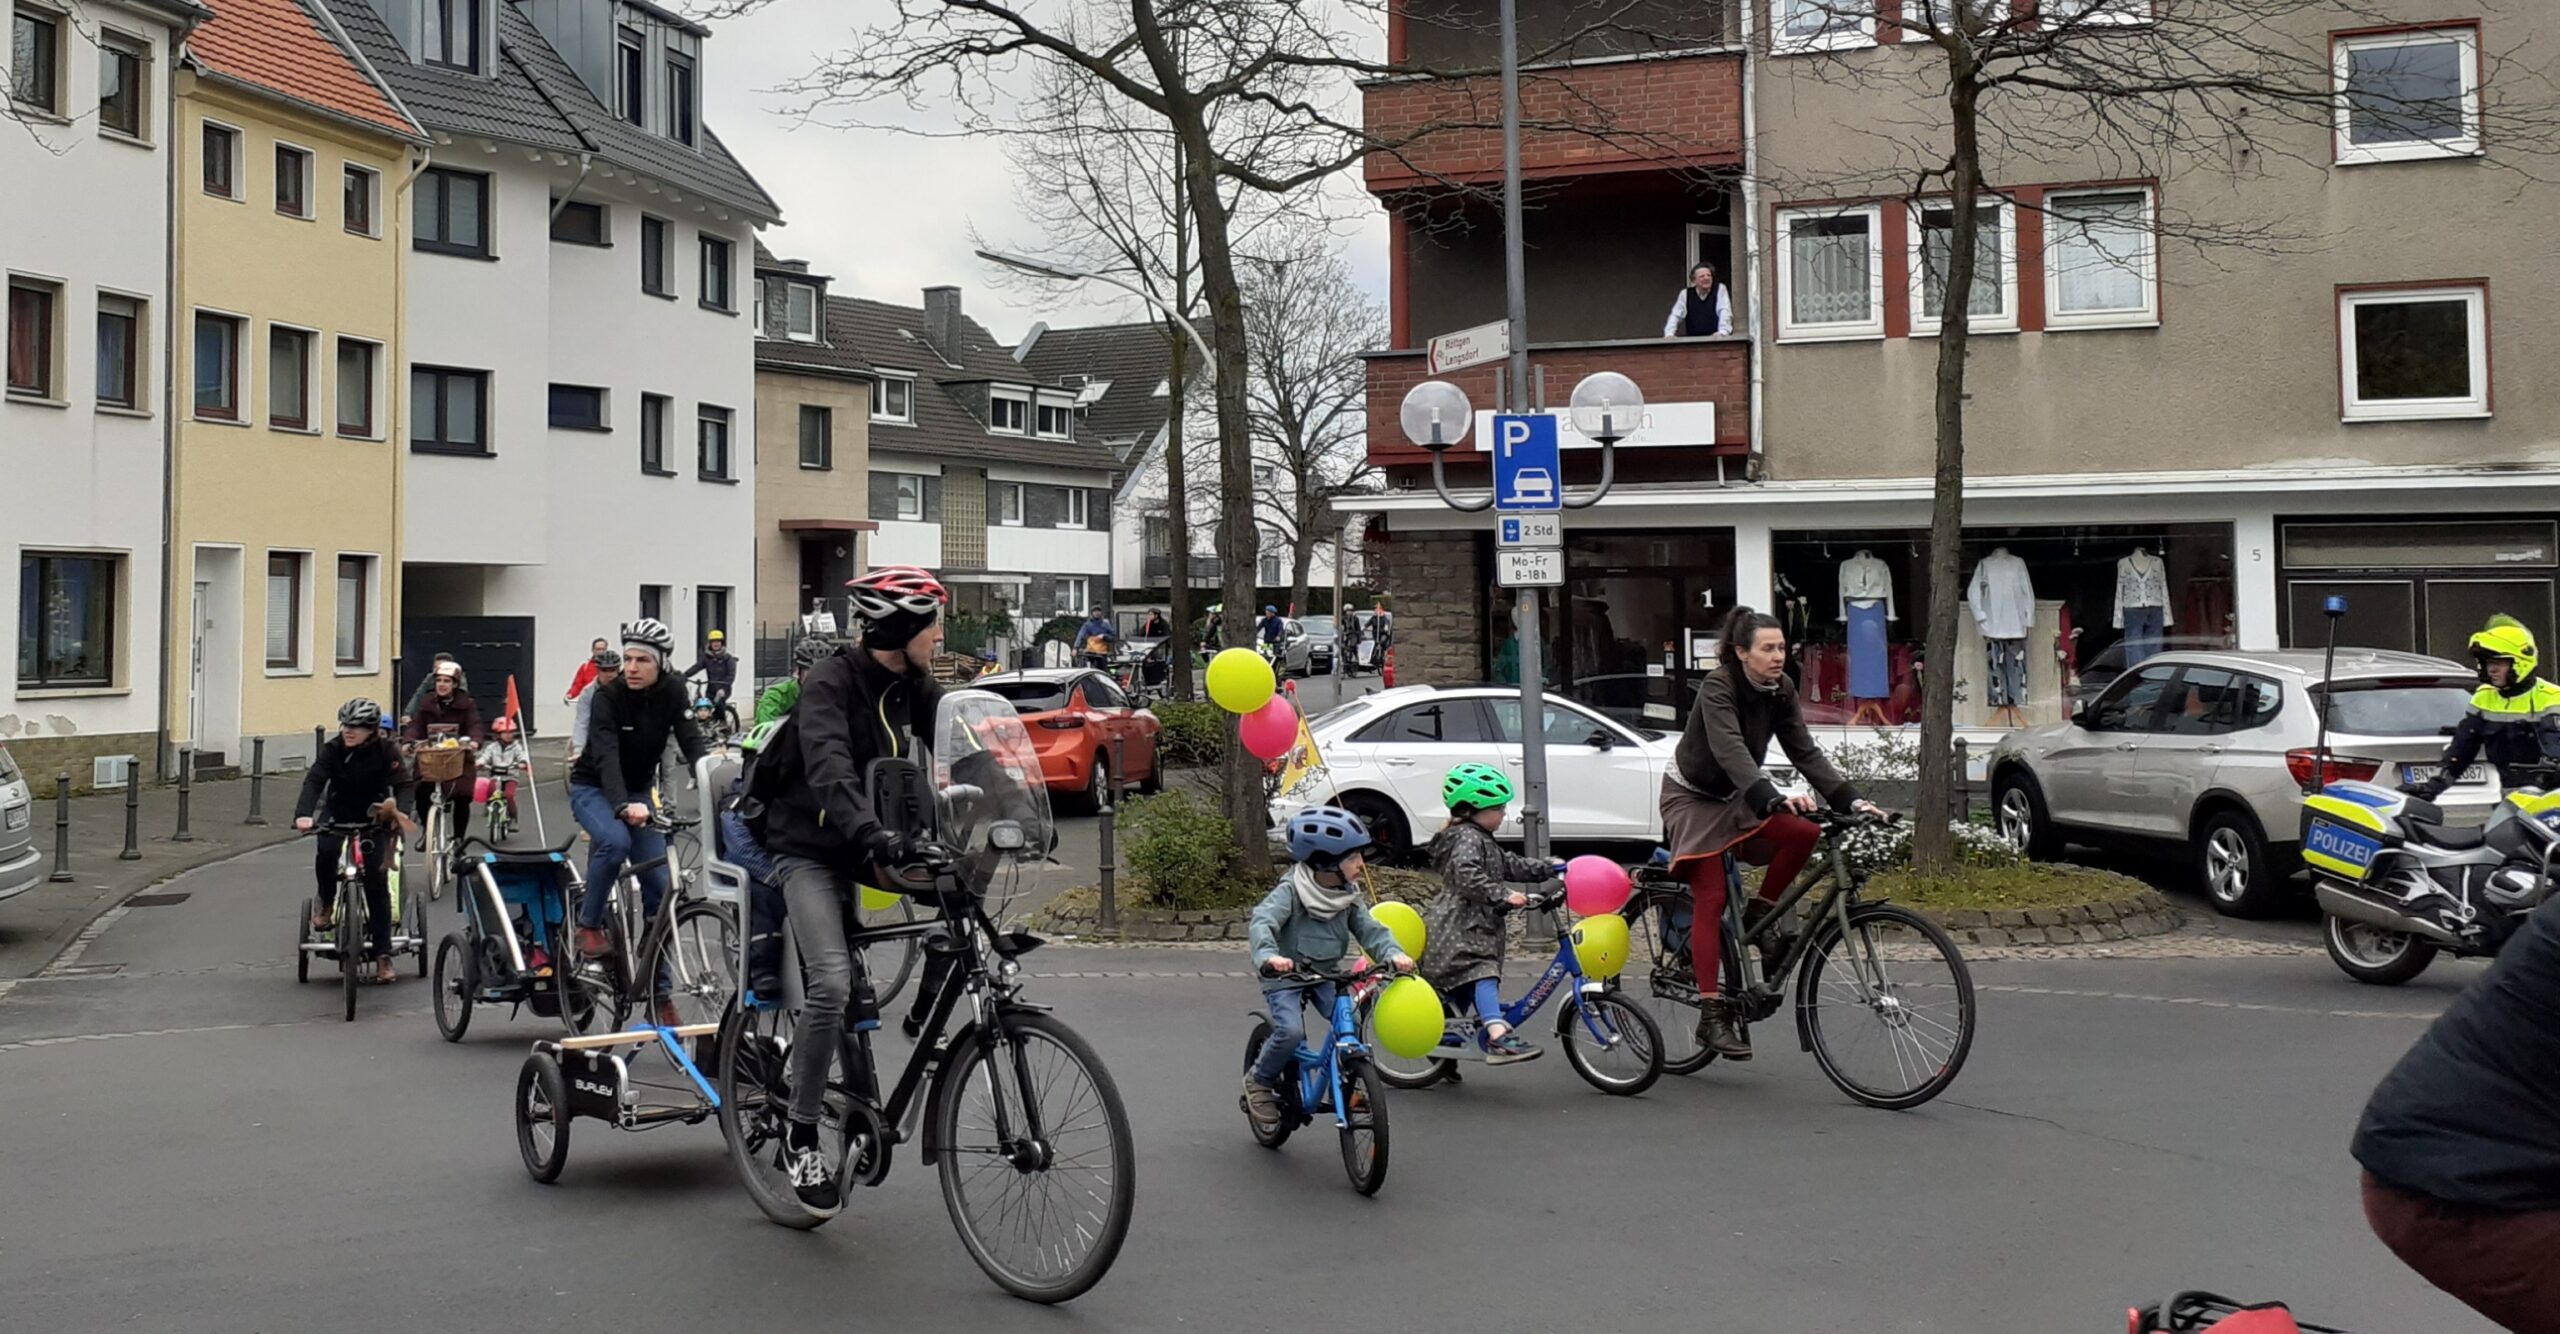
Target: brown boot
{"points": [[1721, 1033]]}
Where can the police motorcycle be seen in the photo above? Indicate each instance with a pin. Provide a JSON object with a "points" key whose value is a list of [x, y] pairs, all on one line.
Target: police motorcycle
{"points": [[2397, 885]]}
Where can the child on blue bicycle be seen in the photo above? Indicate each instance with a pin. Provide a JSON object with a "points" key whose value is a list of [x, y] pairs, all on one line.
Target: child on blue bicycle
{"points": [[1480, 883], [1308, 922]]}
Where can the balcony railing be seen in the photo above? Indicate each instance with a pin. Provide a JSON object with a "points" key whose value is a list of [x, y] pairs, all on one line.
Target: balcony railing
{"points": [[1697, 391], [1206, 571], [1622, 114]]}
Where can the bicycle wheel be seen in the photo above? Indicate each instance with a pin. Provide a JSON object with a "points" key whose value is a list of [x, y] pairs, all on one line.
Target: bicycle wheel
{"points": [[1036, 1160], [542, 1117], [754, 1086], [698, 954], [439, 854], [1404, 1072], [1887, 1006], [1660, 984], [891, 964], [1611, 1042], [457, 985], [302, 938], [1364, 1126], [351, 938], [1279, 1135]]}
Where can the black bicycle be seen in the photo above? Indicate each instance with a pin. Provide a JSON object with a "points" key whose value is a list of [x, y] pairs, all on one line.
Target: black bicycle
{"points": [[683, 954], [1884, 1001], [1014, 1108]]}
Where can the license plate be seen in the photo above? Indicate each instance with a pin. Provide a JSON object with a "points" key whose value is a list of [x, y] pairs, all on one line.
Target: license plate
{"points": [[2426, 773], [17, 817]]}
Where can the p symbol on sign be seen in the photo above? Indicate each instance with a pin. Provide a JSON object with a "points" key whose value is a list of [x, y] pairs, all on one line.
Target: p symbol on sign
{"points": [[1515, 433]]}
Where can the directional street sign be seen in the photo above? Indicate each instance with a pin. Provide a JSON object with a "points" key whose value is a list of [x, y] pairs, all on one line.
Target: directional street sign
{"points": [[1530, 567], [1471, 347], [1528, 472], [1529, 530]]}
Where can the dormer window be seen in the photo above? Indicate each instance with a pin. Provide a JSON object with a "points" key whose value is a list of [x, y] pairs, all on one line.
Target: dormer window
{"points": [[451, 35], [631, 76], [800, 311], [680, 98], [1008, 413]]}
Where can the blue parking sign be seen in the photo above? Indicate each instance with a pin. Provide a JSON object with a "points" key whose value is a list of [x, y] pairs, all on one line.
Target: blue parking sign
{"points": [[1528, 473]]}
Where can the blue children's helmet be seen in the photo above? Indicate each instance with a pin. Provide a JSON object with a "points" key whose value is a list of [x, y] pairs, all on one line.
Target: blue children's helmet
{"points": [[1321, 836]]}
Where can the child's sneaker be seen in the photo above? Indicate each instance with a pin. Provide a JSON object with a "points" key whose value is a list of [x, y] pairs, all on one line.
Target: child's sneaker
{"points": [[1262, 1103], [1509, 1048]]}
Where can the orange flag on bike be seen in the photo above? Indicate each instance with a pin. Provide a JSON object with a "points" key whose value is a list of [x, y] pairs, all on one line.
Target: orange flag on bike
{"points": [[515, 710]]}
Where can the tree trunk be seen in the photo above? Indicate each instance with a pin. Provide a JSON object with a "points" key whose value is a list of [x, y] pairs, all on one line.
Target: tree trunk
{"points": [[1302, 555], [1177, 512], [1932, 845], [1237, 535]]}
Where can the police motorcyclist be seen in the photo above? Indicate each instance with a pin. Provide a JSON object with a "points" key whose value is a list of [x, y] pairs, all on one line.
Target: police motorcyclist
{"points": [[2514, 714], [868, 701]]}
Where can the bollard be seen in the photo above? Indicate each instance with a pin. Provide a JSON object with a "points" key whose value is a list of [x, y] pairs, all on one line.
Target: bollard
{"points": [[186, 790], [132, 818], [1962, 798], [257, 781], [319, 738], [1110, 814], [61, 828]]}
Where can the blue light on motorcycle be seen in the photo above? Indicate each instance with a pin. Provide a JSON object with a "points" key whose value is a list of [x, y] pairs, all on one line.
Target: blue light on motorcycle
{"points": [[2333, 605]]}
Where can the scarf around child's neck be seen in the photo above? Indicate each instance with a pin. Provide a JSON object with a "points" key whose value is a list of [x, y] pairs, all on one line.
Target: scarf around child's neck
{"points": [[1321, 903]]}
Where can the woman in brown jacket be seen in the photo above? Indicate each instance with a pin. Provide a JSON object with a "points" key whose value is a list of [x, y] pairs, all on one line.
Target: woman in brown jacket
{"points": [[1717, 800]]}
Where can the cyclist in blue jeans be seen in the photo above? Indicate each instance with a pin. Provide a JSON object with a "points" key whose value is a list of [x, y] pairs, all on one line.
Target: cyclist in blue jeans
{"points": [[633, 715], [1311, 917]]}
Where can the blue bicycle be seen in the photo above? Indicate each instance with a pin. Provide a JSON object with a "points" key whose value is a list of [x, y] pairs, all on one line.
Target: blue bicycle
{"points": [[1610, 1041], [1338, 1076]]}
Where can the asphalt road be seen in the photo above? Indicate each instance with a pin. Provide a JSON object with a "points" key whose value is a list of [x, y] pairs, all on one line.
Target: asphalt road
{"points": [[195, 1142]]}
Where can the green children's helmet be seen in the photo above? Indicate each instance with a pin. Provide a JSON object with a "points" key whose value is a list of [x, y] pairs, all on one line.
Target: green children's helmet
{"points": [[1475, 786]]}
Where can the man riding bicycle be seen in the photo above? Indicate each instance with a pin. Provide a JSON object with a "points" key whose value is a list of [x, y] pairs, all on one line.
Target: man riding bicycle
{"points": [[719, 672], [631, 718], [353, 780], [814, 814]]}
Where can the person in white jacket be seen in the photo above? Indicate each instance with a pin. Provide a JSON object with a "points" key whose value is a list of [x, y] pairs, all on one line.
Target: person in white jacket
{"points": [[1702, 308]]}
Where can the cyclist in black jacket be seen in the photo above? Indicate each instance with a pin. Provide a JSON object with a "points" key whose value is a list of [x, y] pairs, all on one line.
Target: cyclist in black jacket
{"points": [[865, 702], [629, 721], [353, 779]]}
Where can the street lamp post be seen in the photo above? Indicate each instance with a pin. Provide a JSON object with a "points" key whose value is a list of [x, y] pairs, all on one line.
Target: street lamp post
{"points": [[1606, 407]]}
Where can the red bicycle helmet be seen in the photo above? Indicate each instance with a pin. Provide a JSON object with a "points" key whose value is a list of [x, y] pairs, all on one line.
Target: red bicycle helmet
{"points": [[891, 589]]}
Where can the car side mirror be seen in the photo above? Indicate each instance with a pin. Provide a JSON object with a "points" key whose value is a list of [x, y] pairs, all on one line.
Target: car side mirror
{"points": [[1600, 739]]}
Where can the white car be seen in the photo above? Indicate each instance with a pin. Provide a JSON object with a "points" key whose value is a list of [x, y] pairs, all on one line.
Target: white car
{"points": [[1385, 754]]}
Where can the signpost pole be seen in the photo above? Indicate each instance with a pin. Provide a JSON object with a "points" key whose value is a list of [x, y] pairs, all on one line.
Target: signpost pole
{"points": [[1533, 732]]}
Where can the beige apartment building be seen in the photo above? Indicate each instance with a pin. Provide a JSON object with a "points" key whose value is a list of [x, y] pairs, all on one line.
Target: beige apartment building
{"points": [[813, 449]]}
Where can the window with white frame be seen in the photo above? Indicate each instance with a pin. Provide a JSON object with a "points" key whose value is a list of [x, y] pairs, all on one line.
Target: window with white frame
{"points": [[1078, 511], [893, 398], [1918, 16], [2101, 256], [2414, 353], [35, 58], [1074, 595], [1009, 504], [1995, 266], [286, 572], [1055, 421], [910, 496], [2052, 15], [1830, 273], [2405, 95], [124, 85], [1008, 413], [1268, 570], [353, 647], [1820, 25], [800, 311]]}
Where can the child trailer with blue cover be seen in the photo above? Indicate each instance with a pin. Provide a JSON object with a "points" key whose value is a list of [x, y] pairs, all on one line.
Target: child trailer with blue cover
{"points": [[513, 944]]}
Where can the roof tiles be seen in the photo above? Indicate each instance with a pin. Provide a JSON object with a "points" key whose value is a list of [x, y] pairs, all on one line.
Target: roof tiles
{"points": [[279, 46]]}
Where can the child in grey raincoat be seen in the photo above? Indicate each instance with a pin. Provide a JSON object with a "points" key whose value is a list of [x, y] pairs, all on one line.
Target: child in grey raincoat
{"points": [[1480, 883]]}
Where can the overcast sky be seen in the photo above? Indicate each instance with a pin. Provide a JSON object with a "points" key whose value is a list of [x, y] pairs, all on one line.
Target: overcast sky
{"points": [[887, 215]]}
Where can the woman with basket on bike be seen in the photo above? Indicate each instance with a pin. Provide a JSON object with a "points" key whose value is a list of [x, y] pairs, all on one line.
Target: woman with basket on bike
{"points": [[446, 710], [1717, 801], [353, 780]]}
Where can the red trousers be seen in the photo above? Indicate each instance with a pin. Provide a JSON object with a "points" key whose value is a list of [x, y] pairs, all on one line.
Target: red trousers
{"points": [[2502, 1265], [1783, 843]]}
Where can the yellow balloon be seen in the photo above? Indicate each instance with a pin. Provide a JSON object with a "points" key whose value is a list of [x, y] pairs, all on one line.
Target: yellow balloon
{"points": [[1600, 945], [878, 900], [1240, 680], [1407, 1018], [1404, 923]]}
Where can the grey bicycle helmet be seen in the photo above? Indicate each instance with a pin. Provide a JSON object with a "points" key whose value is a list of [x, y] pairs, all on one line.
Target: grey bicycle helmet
{"points": [[650, 633], [806, 653], [360, 713], [1321, 836]]}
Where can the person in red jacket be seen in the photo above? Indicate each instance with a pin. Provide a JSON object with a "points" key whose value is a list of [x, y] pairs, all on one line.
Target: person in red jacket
{"points": [[600, 658]]}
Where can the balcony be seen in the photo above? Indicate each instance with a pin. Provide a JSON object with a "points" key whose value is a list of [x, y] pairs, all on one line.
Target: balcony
{"points": [[1206, 571], [1619, 114], [1697, 392]]}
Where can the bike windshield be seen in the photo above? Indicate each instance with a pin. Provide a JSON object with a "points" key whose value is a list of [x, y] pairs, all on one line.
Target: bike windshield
{"points": [[994, 807]]}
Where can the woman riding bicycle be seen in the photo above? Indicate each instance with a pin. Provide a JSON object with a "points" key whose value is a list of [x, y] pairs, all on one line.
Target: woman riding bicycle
{"points": [[447, 710], [634, 714], [1716, 799]]}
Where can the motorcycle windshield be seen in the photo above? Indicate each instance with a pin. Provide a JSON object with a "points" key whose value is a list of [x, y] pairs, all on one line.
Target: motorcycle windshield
{"points": [[993, 807]]}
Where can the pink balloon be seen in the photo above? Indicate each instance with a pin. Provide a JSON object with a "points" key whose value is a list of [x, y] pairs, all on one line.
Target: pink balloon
{"points": [[1271, 730], [1595, 885]]}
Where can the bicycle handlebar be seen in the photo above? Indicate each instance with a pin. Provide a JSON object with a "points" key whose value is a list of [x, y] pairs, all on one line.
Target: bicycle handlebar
{"points": [[1304, 972]]}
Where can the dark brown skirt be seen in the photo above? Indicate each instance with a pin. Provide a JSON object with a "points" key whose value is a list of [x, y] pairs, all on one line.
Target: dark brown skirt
{"points": [[1695, 825]]}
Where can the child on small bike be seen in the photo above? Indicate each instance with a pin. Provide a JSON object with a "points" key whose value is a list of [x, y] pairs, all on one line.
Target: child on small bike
{"points": [[502, 757], [1309, 921], [1480, 883]]}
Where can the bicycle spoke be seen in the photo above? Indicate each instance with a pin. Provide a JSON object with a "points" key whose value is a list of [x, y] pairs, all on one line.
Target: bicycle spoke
{"points": [[1034, 1225]]}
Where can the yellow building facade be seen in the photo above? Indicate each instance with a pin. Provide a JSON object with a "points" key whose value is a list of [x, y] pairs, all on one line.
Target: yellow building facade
{"points": [[292, 239]]}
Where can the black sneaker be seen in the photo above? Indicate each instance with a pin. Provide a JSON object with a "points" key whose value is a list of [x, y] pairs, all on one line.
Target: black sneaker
{"points": [[912, 1026], [813, 1178]]}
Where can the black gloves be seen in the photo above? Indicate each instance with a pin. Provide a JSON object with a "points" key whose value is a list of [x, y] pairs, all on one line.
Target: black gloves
{"points": [[895, 848]]}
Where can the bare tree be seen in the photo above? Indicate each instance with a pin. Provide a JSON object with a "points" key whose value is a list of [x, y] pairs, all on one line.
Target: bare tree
{"points": [[1306, 324], [2140, 87]]}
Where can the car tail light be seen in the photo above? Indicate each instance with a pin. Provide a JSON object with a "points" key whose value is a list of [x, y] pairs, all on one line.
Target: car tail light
{"points": [[2305, 766], [1062, 723]]}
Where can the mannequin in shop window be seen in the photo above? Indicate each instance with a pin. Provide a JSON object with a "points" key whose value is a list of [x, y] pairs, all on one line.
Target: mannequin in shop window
{"points": [[1866, 606], [2003, 599], [1795, 616], [2142, 604]]}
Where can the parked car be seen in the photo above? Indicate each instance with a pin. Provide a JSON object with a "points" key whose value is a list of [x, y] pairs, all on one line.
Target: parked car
{"points": [[2094, 676], [1319, 633], [21, 861], [1074, 715], [2208, 752], [1385, 754]]}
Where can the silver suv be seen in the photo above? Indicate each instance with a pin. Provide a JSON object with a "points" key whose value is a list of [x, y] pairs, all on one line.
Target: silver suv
{"points": [[2208, 751], [21, 861]]}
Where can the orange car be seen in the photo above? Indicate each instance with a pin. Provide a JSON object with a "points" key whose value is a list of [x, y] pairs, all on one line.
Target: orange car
{"points": [[1075, 714]]}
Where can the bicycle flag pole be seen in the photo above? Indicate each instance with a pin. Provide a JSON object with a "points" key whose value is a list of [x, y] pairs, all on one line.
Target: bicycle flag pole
{"points": [[532, 786]]}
